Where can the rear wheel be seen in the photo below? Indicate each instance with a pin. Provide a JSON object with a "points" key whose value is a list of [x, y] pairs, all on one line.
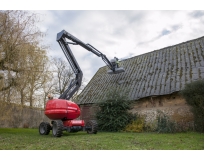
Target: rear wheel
{"points": [[91, 127], [57, 128], [44, 128]]}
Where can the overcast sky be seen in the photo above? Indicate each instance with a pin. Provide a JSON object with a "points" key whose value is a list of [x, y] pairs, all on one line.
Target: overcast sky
{"points": [[123, 34], [115, 32]]}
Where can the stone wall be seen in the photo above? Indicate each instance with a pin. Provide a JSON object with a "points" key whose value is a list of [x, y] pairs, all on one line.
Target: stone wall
{"points": [[21, 117], [172, 105]]}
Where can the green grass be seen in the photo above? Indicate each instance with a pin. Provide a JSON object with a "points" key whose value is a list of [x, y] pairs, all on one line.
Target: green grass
{"points": [[29, 139]]}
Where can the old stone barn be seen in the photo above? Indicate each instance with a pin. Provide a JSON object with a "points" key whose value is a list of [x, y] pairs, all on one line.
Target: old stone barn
{"points": [[153, 81]]}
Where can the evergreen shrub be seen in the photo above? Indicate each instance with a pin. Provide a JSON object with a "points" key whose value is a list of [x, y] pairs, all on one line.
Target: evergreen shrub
{"points": [[194, 96], [113, 114]]}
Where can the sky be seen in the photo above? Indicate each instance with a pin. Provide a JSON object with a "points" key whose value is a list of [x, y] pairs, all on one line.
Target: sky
{"points": [[119, 33], [121, 29]]}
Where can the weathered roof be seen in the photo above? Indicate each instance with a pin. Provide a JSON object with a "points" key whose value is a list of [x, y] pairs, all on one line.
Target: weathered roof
{"points": [[159, 72]]}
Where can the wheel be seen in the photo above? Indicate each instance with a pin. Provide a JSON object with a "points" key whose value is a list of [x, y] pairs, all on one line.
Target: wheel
{"points": [[44, 128], [57, 128], [91, 127]]}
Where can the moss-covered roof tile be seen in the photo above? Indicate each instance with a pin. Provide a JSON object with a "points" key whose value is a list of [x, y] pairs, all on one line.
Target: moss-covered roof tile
{"points": [[160, 72]]}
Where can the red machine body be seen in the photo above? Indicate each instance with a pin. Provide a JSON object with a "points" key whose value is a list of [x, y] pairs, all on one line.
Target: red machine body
{"points": [[65, 110], [61, 109], [71, 123]]}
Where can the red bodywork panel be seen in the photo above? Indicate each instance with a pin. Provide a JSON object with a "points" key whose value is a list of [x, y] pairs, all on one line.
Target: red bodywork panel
{"points": [[61, 109], [71, 123]]}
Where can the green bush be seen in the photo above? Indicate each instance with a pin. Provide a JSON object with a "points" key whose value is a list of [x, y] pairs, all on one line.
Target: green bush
{"points": [[164, 124], [194, 96], [113, 114]]}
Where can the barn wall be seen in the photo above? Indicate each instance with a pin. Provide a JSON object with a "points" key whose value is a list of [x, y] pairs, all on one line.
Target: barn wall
{"points": [[88, 112], [172, 105]]}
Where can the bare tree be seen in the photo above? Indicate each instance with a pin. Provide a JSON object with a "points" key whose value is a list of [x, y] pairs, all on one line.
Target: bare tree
{"points": [[17, 28], [38, 75], [63, 76], [50, 85], [23, 61]]}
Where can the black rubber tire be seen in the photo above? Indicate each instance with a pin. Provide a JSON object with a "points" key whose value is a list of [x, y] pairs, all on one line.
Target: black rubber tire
{"points": [[93, 125], [44, 128], [57, 129]]}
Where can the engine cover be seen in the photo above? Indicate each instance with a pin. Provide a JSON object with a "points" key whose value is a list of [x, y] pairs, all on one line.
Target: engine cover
{"points": [[61, 109]]}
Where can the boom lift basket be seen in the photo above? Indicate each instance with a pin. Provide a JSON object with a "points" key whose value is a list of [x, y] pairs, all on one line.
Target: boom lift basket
{"points": [[117, 69]]}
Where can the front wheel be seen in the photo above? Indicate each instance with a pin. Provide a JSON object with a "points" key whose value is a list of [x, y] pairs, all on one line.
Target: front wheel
{"points": [[44, 128], [57, 128], [91, 127]]}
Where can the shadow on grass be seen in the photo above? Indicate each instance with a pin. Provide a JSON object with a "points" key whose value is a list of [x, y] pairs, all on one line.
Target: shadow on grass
{"points": [[67, 134]]}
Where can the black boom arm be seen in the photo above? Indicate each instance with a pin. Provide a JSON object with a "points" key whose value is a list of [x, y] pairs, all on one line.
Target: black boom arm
{"points": [[76, 83]]}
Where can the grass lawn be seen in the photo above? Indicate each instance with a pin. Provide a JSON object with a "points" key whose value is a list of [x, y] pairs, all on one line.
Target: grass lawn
{"points": [[29, 139]]}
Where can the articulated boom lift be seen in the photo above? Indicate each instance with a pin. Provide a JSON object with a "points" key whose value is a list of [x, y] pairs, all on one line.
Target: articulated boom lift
{"points": [[63, 112]]}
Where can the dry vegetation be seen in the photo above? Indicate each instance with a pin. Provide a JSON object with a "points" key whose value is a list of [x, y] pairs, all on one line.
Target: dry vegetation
{"points": [[27, 73]]}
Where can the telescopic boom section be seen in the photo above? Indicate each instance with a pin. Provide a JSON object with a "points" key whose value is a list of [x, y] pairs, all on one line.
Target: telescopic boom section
{"points": [[76, 82]]}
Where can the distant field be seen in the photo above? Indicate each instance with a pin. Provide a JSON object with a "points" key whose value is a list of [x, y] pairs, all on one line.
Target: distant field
{"points": [[29, 139]]}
